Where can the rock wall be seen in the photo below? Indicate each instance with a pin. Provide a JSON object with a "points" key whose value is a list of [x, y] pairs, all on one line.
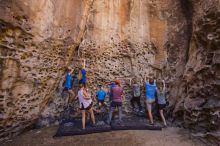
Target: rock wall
{"points": [[194, 70], [37, 40], [174, 39], [114, 47]]}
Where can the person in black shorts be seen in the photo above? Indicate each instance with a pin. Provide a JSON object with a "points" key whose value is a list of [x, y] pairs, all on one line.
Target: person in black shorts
{"points": [[161, 101], [68, 85], [86, 103]]}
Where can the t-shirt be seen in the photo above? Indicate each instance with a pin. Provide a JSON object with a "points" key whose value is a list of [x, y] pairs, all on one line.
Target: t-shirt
{"points": [[83, 80], [117, 94], [100, 94], [150, 90], [161, 97], [68, 82], [136, 90]]}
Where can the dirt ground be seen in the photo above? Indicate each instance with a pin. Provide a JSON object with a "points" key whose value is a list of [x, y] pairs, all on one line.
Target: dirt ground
{"points": [[166, 137]]}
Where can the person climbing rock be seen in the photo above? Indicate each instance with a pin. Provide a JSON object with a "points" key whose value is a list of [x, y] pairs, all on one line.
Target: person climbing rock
{"points": [[161, 101], [136, 95], [110, 90], [100, 97], [86, 103], [68, 85], [117, 98], [150, 91], [82, 76]]}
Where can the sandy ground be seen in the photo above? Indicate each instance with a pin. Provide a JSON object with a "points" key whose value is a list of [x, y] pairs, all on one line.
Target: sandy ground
{"points": [[166, 137]]}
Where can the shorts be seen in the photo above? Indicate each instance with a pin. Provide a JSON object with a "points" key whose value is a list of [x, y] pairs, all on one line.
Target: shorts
{"points": [[161, 106], [87, 108], [67, 88], [116, 104], [150, 100], [100, 101], [83, 82]]}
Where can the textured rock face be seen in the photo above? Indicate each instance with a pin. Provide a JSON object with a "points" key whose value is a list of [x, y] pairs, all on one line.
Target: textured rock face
{"points": [[36, 42], [112, 48], [174, 39], [195, 71]]}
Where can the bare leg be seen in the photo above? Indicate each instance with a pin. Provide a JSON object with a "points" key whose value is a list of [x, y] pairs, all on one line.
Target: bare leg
{"points": [[149, 109], [71, 96], [92, 115], [163, 118], [99, 106], [83, 119]]}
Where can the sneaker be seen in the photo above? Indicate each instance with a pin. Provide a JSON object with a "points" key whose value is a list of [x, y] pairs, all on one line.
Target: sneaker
{"points": [[164, 126], [108, 122], [135, 110], [141, 111], [152, 124], [120, 123]]}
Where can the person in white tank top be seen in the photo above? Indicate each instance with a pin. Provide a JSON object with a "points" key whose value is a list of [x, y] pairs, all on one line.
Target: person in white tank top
{"points": [[85, 102]]}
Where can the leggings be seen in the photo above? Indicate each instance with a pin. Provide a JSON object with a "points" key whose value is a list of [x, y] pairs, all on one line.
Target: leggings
{"points": [[137, 100], [112, 108]]}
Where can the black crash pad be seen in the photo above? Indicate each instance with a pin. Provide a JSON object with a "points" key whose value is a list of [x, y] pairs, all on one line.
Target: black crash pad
{"points": [[133, 123], [74, 127]]}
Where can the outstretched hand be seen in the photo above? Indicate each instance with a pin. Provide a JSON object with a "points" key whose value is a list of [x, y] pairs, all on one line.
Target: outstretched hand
{"points": [[75, 98]]}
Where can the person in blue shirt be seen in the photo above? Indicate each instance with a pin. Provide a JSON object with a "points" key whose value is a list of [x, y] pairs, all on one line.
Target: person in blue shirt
{"points": [[82, 76], [100, 97], [68, 84], [150, 92], [110, 90]]}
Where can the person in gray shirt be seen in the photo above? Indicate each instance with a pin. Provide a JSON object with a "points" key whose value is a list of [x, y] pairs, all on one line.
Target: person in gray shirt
{"points": [[136, 95], [161, 101]]}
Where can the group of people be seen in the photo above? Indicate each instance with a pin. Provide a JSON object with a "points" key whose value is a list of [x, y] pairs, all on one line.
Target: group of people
{"points": [[154, 92]]}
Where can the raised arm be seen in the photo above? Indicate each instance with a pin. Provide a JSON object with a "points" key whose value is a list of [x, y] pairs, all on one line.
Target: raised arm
{"points": [[130, 81], [145, 79], [164, 86], [84, 63]]}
